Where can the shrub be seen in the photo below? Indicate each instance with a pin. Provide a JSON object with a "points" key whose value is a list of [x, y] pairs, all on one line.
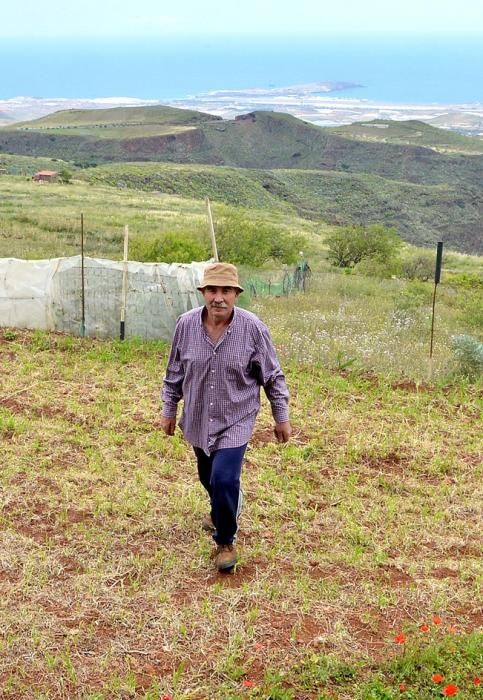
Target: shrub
{"points": [[373, 267], [467, 280], [65, 176], [415, 295], [180, 247], [245, 242], [348, 245], [468, 353], [419, 266], [468, 298]]}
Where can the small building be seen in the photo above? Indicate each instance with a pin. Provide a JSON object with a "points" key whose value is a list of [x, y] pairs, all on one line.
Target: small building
{"points": [[46, 176]]}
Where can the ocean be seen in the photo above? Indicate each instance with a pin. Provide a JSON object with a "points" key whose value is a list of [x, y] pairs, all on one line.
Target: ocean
{"points": [[397, 68]]}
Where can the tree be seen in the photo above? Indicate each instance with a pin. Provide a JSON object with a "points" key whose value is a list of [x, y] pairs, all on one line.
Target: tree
{"points": [[348, 245]]}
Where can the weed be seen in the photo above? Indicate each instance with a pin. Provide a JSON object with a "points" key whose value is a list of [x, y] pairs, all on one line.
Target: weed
{"points": [[10, 334]]}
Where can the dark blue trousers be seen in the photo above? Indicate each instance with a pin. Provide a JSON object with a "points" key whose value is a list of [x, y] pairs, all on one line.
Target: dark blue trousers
{"points": [[220, 475]]}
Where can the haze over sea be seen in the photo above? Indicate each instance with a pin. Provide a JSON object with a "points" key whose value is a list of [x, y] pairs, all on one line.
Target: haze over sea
{"points": [[397, 68]]}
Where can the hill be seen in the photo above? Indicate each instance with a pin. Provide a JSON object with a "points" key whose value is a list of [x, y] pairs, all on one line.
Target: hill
{"points": [[411, 132], [88, 137], [423, 214], [423, 180], [469, 123], [407, 151], [124, 117]]}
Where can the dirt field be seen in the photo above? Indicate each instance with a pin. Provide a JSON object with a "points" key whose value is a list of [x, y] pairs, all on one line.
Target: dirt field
{"points": [[364, 528]]}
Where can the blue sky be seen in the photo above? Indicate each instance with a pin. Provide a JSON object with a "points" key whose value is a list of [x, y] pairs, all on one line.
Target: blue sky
{"points": [[108, 18]]}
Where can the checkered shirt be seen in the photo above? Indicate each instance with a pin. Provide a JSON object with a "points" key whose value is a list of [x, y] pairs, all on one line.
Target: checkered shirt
{"points": [[220, 382]]}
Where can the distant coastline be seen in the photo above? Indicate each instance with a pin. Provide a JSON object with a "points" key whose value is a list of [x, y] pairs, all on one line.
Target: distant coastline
{"points": [[312, 102], [294, 90]]}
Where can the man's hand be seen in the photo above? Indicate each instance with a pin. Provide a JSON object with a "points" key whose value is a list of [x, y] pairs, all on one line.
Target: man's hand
{"points": [[283, 431], [168, 425]]}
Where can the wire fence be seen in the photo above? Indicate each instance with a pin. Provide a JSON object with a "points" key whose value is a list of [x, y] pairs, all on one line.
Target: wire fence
{"points": [[280, 283]]}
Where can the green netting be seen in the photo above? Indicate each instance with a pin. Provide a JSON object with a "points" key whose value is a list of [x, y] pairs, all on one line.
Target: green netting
{"points": [[279, 283]]}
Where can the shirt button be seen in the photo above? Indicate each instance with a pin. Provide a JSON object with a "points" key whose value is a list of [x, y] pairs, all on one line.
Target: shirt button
{"points": [[211, 403], [212, 386], [212, 371], [211, 420]]}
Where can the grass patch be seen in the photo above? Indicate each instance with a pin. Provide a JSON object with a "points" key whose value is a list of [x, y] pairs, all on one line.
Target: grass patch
{"points": [[365, 526], [44, 221], [359, 324]]}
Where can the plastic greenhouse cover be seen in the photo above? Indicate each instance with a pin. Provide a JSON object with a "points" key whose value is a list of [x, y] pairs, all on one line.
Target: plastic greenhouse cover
{"points": [[47, 295]]}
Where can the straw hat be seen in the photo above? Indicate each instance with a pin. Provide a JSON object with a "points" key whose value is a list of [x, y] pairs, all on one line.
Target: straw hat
{"points": [[220, 275]]}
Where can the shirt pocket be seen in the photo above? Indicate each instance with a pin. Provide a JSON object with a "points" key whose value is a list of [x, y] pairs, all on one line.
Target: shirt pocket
{"points": [[237, 372]]}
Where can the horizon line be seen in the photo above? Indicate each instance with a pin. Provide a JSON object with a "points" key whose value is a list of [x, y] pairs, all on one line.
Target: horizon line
{"points": [[288, 34]]}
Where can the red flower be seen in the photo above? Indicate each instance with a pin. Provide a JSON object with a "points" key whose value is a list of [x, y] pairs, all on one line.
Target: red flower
{"points": [[437, 620], [165, 697], [477, 680], [424, 628], [437, 678], [400, 638], [403, 687], [452, 630], [248, 684], [450, 690]]}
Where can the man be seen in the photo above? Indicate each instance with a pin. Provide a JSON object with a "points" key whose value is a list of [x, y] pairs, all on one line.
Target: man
{"points": [[219, 358]]}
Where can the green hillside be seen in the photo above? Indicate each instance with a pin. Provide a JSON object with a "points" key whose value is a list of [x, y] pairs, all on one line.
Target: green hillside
{"points": [[233, 186], [255, 140], [411, 132], [29, 165], [44, 221], [422, 214], [267, 140], [88, 137], [397, 173], [118, 117]]}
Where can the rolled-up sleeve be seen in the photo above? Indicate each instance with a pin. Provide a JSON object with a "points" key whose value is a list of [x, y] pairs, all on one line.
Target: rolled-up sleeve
{"points": [[172, 391]]}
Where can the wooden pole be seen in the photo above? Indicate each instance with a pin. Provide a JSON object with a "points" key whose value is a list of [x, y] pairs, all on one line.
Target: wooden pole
{"points": [[83, 309], [124, 283], [212, 231]]}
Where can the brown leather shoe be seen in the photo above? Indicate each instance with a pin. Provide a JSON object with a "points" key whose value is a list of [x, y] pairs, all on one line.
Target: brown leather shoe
{"points": [[225, 557], [207, 524]]}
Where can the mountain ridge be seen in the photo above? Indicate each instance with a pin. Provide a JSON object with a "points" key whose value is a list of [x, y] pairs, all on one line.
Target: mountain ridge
{"points": [[296, 153]]}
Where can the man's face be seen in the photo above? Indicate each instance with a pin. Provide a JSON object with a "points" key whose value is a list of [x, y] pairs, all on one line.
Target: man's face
{"points": [[219, 302]]}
